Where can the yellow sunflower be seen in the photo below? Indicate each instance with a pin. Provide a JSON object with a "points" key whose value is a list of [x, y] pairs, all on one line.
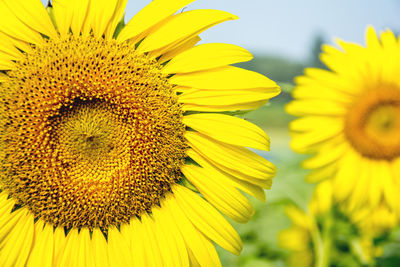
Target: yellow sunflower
{"points": [[303, 239], [372, 225], [350, 121], [117, 147], [298, 238]]}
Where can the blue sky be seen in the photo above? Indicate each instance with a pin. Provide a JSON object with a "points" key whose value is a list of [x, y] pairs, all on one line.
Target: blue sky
{"points": [[287, 27]]}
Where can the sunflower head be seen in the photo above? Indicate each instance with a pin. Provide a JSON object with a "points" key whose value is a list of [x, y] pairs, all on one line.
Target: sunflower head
{"points": [[115, 139], [89, 122], [350, 121]]}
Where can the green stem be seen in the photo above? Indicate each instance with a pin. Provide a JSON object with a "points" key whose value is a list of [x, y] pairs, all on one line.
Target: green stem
{"points": [[322, 241]]}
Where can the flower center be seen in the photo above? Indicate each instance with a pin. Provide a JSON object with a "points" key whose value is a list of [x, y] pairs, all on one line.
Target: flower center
{"points": [[373, 123], [91, 133]]}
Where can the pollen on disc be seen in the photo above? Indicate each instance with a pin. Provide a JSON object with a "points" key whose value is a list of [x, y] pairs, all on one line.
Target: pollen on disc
{"points": [[91, 133]]}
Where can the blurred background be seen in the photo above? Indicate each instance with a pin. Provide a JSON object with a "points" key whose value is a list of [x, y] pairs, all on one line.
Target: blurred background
{"points": [[285, 37]]}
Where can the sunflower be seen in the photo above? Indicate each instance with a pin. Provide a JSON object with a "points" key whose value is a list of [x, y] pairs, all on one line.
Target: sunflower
{"points": [[118, 146], [350, 121], [304, 238], [373, 227], [298, 238]]}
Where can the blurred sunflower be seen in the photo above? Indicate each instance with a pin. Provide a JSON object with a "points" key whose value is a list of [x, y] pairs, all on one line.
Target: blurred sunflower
{"points": [[350, 121], [298, 238], [372, 225], [108, 136], [304, 239]]}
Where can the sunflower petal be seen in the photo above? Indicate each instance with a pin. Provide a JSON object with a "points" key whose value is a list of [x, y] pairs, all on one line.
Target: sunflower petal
{"points": [[219, 193], [42, 251], [6, 64], [172, 53], [228, 129], [207, 56], [149, 16], [244, 186], [135, 232], [34, 14], [118, 13], [315, 107], [14, 249], [201, 247], [99, 248], [189, 23], [232, 157], [13, 27], [154, 255], [208, 220], [225, 78], [118, 249], [7, 47], [70, 14], [172, 240], [85, 252], [100, 15], [60, 242], [69, 256]]}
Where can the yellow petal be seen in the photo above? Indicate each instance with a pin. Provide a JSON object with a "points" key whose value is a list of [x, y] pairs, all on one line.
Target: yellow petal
{"points": [[99, 248], [118, 249], [201, 247], [179, 49], [224, 78], [170, 238], [117, 16], [6, 204], [328, 80], [207, 56], [326, 155], [232, 157], [327, 171], [192, 259], [60, 241], [183, 26], [34, 14], [12, 26], [136, 238], [6, 64], [228, 129], [164, 242], [220, 193], [372, 39], [85, 252], [42, 251], [9, 219], [244, 186], [208, 220], [100, 14], [69, 255], [315, 107], [154, 255], [219, 107], [391, 186], [149, 16], [312, 123], [349, 167], [301, 142], [70, 14], [16, 246], [7, 47]]}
